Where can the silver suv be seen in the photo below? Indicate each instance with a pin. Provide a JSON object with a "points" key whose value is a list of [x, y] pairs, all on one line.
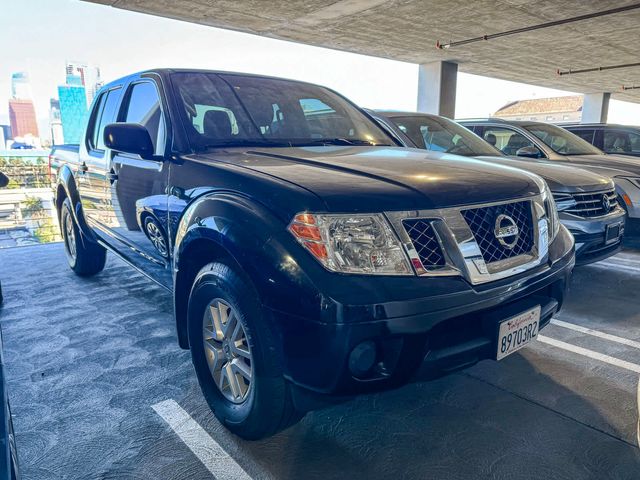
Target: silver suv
{"points": [[538, 140], [587, 202]]}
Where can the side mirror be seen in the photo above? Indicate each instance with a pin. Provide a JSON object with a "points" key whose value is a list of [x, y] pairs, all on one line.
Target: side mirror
{"points": [[530, 152], [4, 180], [129, 138]]}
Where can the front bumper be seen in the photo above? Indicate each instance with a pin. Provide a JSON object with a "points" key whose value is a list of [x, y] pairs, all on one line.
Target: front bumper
{"points": [[447, 330], [593, 236]]}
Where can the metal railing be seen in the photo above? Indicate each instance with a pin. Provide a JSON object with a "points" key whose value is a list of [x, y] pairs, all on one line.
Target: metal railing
{"points": [[27, 211]]}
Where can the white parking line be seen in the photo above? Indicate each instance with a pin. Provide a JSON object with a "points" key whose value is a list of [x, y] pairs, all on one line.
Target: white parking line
{"points": [[616, 266], [208, 451], [596, 333], [590, 353]]}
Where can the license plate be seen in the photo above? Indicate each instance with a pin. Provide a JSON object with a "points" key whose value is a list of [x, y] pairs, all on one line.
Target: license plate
{"points": [[516, 332], [613, 232]]}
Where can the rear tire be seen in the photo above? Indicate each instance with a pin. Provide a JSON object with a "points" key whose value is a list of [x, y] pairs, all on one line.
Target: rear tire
{"points": [[260, 404], [85, 257]]}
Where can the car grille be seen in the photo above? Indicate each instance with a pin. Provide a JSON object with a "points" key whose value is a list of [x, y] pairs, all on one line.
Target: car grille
{"points": [[425, 241], [482, 222], [587, 205]]}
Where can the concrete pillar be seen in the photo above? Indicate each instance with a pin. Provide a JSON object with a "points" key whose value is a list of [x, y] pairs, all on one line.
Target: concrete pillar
{"points": [[437, 88], [595, 107]]}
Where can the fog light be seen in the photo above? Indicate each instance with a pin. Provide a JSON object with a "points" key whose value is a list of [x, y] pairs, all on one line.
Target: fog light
{"points": [[362, 358]]}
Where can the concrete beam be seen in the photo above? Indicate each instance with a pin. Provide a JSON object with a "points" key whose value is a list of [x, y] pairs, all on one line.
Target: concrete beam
{"points": [[595, 107], [437, 88]]}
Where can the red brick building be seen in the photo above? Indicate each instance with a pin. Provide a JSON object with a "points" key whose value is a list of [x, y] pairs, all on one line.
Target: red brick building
{"points": [[22, 117]]}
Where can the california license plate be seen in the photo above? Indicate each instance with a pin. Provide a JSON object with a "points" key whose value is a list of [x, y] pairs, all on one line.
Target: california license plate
{"points": [[516, 332]]}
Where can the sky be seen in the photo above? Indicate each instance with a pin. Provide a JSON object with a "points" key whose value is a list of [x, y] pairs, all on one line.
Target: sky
{"points": [[38, 36]]}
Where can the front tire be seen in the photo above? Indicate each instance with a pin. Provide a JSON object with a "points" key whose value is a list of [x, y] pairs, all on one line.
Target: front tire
{"points": [[85, 258], [236, 356]]}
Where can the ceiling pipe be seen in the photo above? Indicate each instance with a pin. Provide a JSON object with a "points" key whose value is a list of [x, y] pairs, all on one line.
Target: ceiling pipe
{"points": [[596, 69], [554, 23]]}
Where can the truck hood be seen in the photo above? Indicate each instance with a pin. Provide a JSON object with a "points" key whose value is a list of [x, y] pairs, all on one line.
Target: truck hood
{"points": [[384, 178], [560, 178], [610, 165]]}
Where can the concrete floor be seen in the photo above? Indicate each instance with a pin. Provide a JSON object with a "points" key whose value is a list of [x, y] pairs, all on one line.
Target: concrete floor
{"points": [[87, 358]]}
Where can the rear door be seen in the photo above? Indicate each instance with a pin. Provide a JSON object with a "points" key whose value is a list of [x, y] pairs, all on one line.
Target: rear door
{"points": [[91, 176], [137, 188]]}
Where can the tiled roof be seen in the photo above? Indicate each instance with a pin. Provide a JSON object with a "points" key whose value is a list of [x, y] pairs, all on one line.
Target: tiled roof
{"points": [[542, 105]]}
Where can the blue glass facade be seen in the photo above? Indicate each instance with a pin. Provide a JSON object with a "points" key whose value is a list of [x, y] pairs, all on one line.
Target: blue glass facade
{"points": [[73, 111]]}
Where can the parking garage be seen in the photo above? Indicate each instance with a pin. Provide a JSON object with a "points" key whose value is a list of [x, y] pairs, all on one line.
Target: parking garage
{"points": [[99, 387]]}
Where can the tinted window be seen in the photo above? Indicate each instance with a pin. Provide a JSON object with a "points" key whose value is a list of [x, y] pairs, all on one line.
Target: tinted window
{"points": [[221, 109], [619, 141], [442, 135], [95, 119], [144, 108], [107, 116], [586, 135], [506, 140], [562, 141]]}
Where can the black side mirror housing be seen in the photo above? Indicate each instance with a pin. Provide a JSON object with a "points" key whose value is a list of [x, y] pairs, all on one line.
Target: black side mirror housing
{"points": [[129, 138], [530, 152], [4, 180]]}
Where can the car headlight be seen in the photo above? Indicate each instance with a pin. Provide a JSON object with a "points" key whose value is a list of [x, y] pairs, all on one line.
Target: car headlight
{"points": [[552, 213], [363, 244], [634, 180]]}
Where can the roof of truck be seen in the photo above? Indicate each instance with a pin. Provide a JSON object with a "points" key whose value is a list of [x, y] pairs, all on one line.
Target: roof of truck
{"points": [[168, 71]]}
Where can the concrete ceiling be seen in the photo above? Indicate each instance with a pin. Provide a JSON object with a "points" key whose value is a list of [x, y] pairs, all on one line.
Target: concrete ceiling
{"points": [[407, 30]]}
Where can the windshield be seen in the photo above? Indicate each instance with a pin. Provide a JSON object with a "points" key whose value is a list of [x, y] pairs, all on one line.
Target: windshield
{"points": [[230, 109], [443, 135], [561, 141]]}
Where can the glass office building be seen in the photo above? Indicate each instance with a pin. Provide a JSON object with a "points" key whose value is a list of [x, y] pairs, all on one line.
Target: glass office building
{"points": [[73, 111]]}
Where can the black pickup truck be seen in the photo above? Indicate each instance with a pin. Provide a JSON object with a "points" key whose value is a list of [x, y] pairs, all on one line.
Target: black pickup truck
{"points": [[309, 255]]}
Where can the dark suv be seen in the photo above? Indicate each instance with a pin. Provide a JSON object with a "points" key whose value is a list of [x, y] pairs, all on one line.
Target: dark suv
{"points": [[308, 254], [610, 138]]}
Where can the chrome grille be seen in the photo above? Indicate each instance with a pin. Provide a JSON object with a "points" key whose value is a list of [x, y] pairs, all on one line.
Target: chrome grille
{"points": [[425, 241], [482, 222], [587, 205]]}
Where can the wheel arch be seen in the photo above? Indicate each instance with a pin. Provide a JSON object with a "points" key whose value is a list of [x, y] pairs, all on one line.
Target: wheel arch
{"points": [[67, 188], [235, 230]]}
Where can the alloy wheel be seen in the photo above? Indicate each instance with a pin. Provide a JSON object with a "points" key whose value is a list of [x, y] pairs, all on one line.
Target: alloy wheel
{"points": [[227, 351], [156, 237], [69, 236]]}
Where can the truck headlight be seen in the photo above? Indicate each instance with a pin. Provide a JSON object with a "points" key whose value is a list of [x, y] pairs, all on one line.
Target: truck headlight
{"points": [[552, 213], [363, 244]]}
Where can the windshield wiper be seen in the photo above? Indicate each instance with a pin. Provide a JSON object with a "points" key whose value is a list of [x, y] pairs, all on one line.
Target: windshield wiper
{"points": [[245, 143], [340, 141]]}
